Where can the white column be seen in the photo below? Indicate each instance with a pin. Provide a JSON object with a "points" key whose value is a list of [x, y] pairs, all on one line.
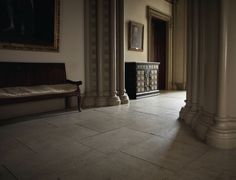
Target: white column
{"points": [[189, 53], [185, 113], [202, 52], [195, 56], [221, 133], [222, 88], [200, 121], [123, 96], [100, 100], [100, 47], [86, 43], [114, 99], [90, 93]]}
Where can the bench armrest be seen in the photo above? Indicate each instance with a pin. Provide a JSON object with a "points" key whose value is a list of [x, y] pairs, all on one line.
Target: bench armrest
{"points": [[74, 82]]}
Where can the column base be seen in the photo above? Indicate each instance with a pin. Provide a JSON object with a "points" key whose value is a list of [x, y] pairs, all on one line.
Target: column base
{"points": [[100, 101], [202, 124], [223, 134], [196, 119], [114, 101], [217, 132], [187, 114], [124, 98]]}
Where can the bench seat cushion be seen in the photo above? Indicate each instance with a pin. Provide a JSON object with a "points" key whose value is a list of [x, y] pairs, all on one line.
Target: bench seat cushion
{"points": [[28, 91]]}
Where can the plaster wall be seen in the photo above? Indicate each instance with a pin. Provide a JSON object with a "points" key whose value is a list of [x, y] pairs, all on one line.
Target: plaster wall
{"points": [[71, 47], [137, 11]]}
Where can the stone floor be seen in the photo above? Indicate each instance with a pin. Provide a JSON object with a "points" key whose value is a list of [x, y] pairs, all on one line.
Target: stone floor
{"points": [[142, 140]]}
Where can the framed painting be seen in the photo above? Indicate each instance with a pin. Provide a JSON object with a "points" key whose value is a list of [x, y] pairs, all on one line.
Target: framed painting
{"points": [[29, 24], [136, 31]]}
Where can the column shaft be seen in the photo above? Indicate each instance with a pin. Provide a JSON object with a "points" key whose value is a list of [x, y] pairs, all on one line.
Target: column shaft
{"points": [[100, 48], [123, 96], [195, 55], [222, 89]]}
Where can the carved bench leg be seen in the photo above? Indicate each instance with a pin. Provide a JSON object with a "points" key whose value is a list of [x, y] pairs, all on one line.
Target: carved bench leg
{"points": [[79, 103], [67, 103]]}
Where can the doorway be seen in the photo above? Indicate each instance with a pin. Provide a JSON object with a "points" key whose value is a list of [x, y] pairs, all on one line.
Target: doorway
{"points": [[160, 46], [160, 49]]}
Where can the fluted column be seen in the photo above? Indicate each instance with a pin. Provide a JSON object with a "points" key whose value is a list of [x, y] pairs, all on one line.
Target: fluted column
{"points": [[189, 54], [195, 56], [86, 44], [100, 48], [221, 134], [212, 88], [201, 120], [90, 42], [100, 54], [121, 80], [114, 99], [100, 100], [223, 64], [187, 112]]}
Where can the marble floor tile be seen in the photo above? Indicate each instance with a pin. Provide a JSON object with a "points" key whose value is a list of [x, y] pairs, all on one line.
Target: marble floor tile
{"points": [[102, 124], [5, 174], [142, 140], [58, 168], [27, 128], [223, 161], [165, 153], [14, 151], [88, 113], [198, 174], [114, 140], [225, 176], [75, 132], [53, 146], [150, 124], [61, 120], [119, 166]]}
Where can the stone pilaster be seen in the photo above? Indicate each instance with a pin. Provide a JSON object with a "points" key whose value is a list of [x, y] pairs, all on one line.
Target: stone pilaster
{"points": [[114, 99], [100, 53]]}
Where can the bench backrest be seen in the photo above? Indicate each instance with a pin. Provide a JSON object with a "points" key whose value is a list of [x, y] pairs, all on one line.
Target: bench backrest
{"points": [[28, 74]]}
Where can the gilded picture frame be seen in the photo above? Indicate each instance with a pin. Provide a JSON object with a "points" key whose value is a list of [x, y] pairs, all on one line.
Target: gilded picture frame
{"points": [[136, 33], [30, 25]]}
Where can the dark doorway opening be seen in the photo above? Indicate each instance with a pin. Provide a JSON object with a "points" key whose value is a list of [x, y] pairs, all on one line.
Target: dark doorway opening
{"points": [[159, 38]]}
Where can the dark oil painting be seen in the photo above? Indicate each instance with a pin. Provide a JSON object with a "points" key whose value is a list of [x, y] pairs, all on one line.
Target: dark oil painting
{"points": [[29, 24]]}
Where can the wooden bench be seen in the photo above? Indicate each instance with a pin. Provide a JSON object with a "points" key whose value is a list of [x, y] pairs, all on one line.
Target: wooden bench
{"points": [[24, 82]]}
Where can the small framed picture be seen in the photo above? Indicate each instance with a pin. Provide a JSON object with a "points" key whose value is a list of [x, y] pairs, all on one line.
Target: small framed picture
{"points": [[135, 36]]}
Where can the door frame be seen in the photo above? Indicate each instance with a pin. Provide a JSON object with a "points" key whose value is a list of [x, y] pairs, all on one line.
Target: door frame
{"points": [[154, 13]]}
